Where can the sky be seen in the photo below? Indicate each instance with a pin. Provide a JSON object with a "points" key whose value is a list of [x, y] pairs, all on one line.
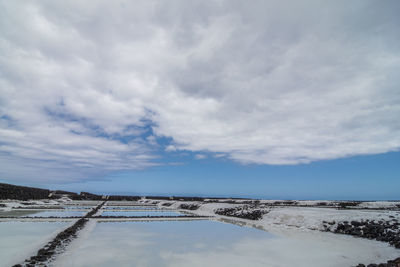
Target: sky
{"points": [[267, 99]]}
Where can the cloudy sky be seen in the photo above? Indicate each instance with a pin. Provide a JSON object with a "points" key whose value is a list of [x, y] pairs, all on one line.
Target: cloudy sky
{"points": [[92, 89]]}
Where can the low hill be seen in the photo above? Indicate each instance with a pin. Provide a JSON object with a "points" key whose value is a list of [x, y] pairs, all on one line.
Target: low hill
{"points": [[8, 191]]}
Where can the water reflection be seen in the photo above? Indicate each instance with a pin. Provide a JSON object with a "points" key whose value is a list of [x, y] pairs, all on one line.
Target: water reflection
{"points": [[18, 213], [50, 213], [141, 213], [130, 207], [19, 240], [42, 213], [79, 207], [211, 243]]}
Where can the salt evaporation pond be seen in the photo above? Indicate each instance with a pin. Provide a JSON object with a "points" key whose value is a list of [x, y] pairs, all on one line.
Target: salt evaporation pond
{"points": [[130, 207], [211, 243], [78, 207], [19, 240], [17, 213], [141, 213], [42, 213], [66, 213]]}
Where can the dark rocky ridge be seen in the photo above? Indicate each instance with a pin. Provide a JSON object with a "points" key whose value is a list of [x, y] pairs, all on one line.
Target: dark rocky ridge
{"points": [[8, 191], [189, 206], [386, 231], [86, 196], [244, 212], [16, 192], [123, 198]]}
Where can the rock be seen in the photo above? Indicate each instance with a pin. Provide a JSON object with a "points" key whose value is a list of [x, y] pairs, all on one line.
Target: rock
{"points": [[189, 206], [245, 212]]}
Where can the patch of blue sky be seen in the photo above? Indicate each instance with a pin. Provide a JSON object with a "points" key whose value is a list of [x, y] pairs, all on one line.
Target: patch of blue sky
{"points": [[374, 177]]}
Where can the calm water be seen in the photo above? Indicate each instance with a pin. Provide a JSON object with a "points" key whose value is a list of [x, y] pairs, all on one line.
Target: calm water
{"points": [[211, 243], [66, 213], [141, 213], [130, 207], [19, 240], [78, 207], [42, 213]]}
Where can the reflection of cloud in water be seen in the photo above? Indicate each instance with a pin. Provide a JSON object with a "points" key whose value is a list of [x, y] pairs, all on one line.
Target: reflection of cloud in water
{"points": [[42, 213], [305, 249], [58, 214], [130, 207], [209, 243], [141, 213], [19, 240]]}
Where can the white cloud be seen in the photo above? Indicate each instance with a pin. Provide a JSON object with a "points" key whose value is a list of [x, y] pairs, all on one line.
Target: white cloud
{"points": [[260, 83], [170, 148], [200, 156]]}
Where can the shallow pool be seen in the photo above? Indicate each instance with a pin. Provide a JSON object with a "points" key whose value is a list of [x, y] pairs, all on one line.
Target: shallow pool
{"points": [[141, 213], [78, 207], [130, 207], [42, 213], [211, 243], [18, 213], [50, 213], [20, 240]]}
